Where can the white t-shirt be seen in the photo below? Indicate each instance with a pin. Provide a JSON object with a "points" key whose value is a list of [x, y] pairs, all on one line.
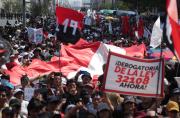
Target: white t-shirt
{"points": [[88, 21], [24, 110]]}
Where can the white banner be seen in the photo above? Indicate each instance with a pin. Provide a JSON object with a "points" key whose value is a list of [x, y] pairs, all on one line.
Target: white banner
{"points": [[133, 76]]}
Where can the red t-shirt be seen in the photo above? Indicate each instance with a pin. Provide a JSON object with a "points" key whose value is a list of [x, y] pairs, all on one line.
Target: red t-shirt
{"points": [[10, 65]]}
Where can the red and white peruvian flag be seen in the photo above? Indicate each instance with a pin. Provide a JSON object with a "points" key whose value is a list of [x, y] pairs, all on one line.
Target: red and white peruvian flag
{"points": [[81, 56], [87, 56], [172, 27]]}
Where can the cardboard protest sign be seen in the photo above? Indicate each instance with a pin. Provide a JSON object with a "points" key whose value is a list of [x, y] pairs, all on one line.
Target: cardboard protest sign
{"points": [[38, 36], [28, 93], [35, 35], [31, 34], [134, 76]]}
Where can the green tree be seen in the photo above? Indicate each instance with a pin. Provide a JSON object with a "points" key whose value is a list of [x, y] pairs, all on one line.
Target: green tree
{"points": [[12, 5], [122, 5], [7, 5], [40, 8], [17, 6], [117, 5], [143, 5]]}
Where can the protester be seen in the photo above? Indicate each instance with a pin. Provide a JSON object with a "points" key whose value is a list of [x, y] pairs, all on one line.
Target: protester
{"points": [[173, 109]]}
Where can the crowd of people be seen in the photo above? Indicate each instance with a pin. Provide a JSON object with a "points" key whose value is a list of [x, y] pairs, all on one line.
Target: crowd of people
{"points": [[10, 15], [55, 96]]}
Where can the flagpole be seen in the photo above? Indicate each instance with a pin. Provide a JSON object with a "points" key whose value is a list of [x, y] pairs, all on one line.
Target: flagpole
{"points": [[160, 64], [177, 67], [60, 58]]}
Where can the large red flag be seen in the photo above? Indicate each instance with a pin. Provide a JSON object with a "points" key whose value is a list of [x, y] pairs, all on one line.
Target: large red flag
{"points": [[172, 27]]}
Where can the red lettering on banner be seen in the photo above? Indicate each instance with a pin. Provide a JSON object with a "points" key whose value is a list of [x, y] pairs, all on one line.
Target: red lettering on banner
{"points": [[135, 73], [147, 74], [142, 73], [153, 73], [131, 80], [139, 77], [128, 73], [119, 78], [146, 80], [131, 73], [126, 79], [117, 69], [120, 70], [123, 70], [138, 80]]}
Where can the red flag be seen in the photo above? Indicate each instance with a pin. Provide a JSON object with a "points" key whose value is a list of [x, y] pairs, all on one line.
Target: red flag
{"points": [[136, 50], [125, 25], [173, 28], [140, 27], [69, 17]]}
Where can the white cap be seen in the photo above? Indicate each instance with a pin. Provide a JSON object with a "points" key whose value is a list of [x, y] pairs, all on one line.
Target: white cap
{"points": [[18, 90], [24, 54]]}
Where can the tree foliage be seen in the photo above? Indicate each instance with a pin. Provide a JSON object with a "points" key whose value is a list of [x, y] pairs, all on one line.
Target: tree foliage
{"points": [[116, 5], [40, 8], [12, 5], [141, 5], [144, 5]]}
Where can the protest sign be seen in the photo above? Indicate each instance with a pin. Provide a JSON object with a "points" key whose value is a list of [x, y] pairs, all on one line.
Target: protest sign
{"points": [[38, 36], [35, 35], [28, 93], [134, 76], [31, 34]]}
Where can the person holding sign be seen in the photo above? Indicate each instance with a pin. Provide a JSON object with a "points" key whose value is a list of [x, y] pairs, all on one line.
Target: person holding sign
{"points": [[128, 107]]}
